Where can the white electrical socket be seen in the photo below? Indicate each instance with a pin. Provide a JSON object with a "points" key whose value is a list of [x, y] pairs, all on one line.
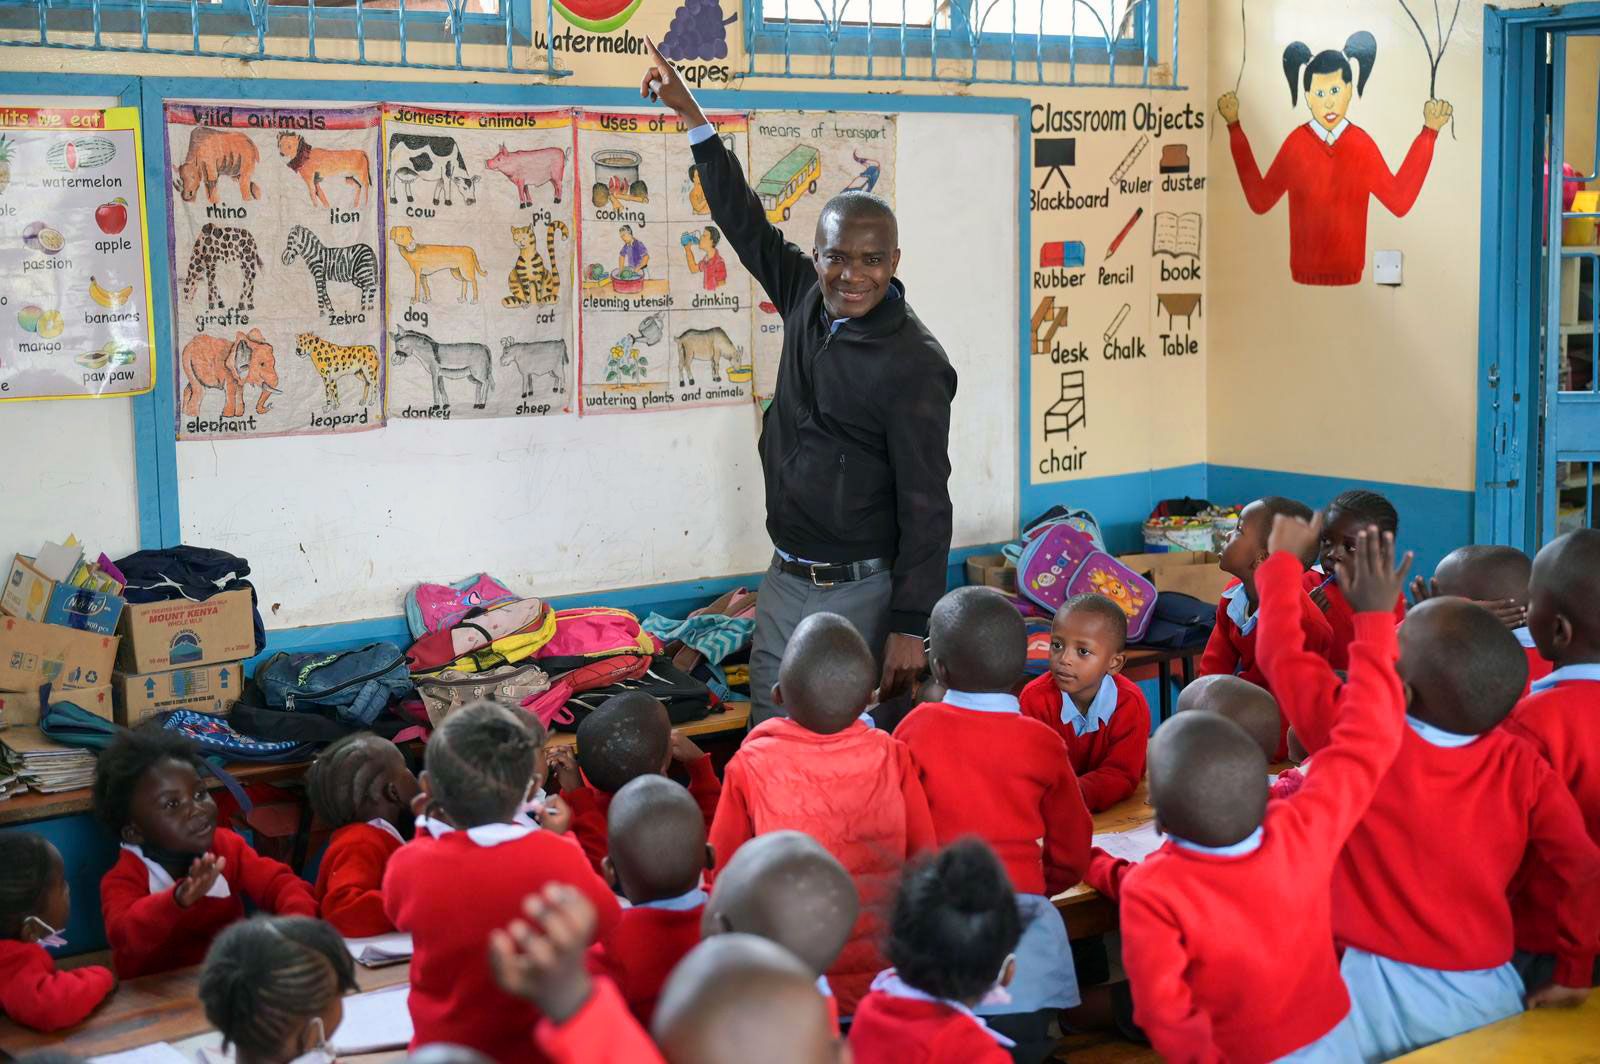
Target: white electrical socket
{"points": [[1386, 267]]}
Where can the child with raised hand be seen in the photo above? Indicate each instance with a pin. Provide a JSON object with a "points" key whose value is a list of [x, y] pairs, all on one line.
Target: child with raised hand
{"points": [[1496, 578], [657, 854], [1345, 517], [273, 986], [991, 772], [450, 891], [1420, 905], [821, 770], [1251, 708], [34, 905], [180, 877], [362, 788], [1084, 698], [951, 938], [1226, 927], [1561, 718]]}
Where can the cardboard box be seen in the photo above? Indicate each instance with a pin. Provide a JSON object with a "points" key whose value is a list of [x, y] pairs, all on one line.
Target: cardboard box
{"points": [[992, 570], [21, 708], [160, 636], [208, 689], [1195, 573], [33, 596], [33, 654]]}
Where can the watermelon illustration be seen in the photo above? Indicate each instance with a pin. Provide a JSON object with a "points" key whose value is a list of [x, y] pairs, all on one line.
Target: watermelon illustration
{"points": [[597, 16]]}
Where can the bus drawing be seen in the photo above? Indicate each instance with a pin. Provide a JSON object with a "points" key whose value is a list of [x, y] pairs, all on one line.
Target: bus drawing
{"points": [[791, 177]]}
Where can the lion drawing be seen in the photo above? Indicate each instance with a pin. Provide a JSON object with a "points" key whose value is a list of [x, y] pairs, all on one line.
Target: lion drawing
{"points": [[319, 166]]}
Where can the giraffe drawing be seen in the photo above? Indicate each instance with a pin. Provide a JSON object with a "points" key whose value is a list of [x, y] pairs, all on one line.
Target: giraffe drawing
{"points": [[218, 244]]}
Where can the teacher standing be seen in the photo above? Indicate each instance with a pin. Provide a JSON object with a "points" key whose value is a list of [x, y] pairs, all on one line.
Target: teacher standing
{"points": [[855, 446]]}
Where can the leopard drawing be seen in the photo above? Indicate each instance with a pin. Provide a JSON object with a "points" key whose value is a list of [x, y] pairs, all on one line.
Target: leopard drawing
{"points": [[218, 244], [333, 361], [530, 280]]}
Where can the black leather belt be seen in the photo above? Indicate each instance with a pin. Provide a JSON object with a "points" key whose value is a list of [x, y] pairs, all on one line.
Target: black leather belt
{"points": [[826, 575]]}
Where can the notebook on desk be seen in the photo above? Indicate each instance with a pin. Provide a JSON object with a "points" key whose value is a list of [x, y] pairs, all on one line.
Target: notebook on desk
{"points": [[374, 1021], [378, 951]]}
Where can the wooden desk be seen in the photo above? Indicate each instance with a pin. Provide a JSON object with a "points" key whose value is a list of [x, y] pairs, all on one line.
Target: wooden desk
{"points": [[734, 718], [1540, 1036], [1086, 911], [153, 1008], [31, 806]]}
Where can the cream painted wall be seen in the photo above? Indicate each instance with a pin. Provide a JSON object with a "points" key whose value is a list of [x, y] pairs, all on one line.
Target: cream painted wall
{"points": [[1583, 74]]}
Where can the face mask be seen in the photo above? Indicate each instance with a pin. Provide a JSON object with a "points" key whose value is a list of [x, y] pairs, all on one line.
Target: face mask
{"points": [[321, 1052], [998, 994], [52, 939]]}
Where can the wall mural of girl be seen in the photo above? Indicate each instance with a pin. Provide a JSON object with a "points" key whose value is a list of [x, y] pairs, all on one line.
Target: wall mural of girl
{"points": [[1330, 167]]}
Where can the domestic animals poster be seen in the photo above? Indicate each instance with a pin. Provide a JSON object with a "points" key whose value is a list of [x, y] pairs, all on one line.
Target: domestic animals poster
{"points": [[75, 316], [277, 257], [480, 238], [798, 160], [665, 304]]}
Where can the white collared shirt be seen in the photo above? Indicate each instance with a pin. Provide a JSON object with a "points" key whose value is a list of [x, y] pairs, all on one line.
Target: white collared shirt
{"points": [[1328, 136], [1436, 736], [161, 879], [1249, 844], [1567, 674], [983, 701], [889, 983], [1239, 609], [1099, 711], [387, 828], [495, 834], [682, 903]]}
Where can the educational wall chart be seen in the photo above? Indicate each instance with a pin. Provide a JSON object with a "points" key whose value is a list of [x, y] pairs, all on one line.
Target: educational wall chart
{"points": [[798, 160], [75, 313], [277, 255], [665, 304], [480, 249]]}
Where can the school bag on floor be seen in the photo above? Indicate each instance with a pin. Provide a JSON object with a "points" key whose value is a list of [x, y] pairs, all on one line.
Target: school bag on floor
{"points": [[1058, 560], [353, 686], [486, 639], [1082, 520], [445, 692], [573, 676], [686, 698], [216, 739], [597, 632], [432, 607]]}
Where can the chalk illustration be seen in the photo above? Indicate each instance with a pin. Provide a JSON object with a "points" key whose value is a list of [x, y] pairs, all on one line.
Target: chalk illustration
{"points": [[446, 362], [216, 245], [213, 155], [211, 362], [436, 160], [616, 178], [356, 264], [1070, 410], [625, 362], [335, 361], [791, 177], [537, 358], [705, 345], [1179, 305], [531, 280], [1116, 322], [711, 266], [867, 179], [319, 167], [425, 260], [527, 170], [1048, 319]]}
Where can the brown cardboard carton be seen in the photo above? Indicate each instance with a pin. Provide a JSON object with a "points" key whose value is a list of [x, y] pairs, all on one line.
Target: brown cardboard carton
{"points": [[32, 654], [161, 636], [21, 708], [31, 595], [1195, 573], [207, 689], [992, 570]]}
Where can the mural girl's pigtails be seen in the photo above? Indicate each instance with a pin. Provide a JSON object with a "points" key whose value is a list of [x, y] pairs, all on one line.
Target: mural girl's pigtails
{"points": [[1295, 56], [1362, 47]]}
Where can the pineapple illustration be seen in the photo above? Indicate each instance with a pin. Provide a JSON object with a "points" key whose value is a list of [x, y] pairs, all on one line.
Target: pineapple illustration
{"points": [[5, 163]]}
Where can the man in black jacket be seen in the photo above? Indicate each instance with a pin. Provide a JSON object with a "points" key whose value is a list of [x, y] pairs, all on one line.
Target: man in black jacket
{"points": [[855, 447]]}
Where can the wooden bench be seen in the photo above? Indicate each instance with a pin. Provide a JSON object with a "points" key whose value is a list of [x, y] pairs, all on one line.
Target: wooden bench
{"points": [[1545, 1036]]}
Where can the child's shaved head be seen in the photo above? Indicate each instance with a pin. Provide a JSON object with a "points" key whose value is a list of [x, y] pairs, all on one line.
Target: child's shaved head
{"points": [[978, 641], [1465, 668], [1484, 572], [1564, 602], [827, 674], [656, 836], [1250, 707], [737, 998], [1208, 779], [629, 736], [785, 887]]}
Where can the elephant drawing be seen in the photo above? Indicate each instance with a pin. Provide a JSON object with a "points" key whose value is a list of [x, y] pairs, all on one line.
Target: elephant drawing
{"points": [[212, 362]]}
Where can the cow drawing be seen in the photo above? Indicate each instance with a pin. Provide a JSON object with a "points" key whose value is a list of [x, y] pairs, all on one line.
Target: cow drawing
{"points": [[528, 169], [705, 345], [417, 157]]}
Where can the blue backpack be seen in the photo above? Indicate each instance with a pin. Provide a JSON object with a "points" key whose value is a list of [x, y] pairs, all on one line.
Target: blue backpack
{"points": [[218, 742], [354, 686]]}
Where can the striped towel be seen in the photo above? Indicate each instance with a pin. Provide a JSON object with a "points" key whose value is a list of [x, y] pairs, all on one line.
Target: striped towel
{"points": [[712, 634]]}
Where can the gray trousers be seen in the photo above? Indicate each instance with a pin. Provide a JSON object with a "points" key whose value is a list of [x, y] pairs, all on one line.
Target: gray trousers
{"points": [[785, 600]]}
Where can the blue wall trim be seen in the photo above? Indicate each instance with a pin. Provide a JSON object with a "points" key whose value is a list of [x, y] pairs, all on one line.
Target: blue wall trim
{"points": [[1119, 503]]}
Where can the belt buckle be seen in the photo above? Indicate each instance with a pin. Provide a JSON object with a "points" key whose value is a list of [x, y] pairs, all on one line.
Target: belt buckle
{"points": [[824, 584]]}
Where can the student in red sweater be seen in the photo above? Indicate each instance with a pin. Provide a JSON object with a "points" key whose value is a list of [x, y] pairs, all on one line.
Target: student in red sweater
{"points": [[34, 905], [451, 891], [951, 937], [1328, 167], [273, 987], [1346, 516], [1420, 894], [823, 771], [629, 736], [1561, 718], [1251, 708], [1101, 716], [362, 788], [658, 852], [1496, 578], [991, 772], [180, 877]]}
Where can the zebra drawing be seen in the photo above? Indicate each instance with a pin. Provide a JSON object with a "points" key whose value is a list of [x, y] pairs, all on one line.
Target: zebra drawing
{"points": [[356, 264]]}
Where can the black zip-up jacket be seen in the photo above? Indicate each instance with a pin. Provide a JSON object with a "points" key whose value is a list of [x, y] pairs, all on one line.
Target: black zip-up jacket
{"points": [[855, 446]]}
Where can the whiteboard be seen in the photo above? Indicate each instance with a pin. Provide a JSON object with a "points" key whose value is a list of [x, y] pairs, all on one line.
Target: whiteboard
{"points": [[338, 528]]}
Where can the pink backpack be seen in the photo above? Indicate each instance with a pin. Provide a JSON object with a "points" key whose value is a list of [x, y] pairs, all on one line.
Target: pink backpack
{"points": [[484, 628], [434, 607], [1058, 561], [597, 632]]}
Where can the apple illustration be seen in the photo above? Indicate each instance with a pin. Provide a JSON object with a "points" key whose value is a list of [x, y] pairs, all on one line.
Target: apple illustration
{"points": [[112, 217]]}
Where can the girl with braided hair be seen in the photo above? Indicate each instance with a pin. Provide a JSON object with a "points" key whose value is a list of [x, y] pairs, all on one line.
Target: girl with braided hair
{"points": [[34, 905], [273, 987], [451, 889], [363, 789]]}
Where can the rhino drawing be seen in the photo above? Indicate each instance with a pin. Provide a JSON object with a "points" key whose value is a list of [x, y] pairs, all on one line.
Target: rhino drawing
{"points": [[705, 345]]}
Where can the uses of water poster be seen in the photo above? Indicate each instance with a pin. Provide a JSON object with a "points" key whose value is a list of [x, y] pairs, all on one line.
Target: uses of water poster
{"points": [[665, 306], [480, 277], [276, 226], [75, 314]]}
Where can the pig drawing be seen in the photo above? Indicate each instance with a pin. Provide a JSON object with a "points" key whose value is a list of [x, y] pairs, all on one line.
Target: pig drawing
{"points": [[705, 345], [526, 169]]}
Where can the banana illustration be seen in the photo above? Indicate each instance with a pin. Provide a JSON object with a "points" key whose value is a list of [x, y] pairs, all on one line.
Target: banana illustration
{"points": [[107, 299]]}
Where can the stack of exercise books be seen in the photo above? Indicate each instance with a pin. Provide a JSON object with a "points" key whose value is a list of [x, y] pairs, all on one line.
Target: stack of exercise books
{"points": [[45, 766]]}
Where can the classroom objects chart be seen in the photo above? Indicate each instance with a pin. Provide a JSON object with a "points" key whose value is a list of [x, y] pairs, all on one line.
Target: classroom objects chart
{"points": [[798, 161], [277, 254], [480, 262], [665, 305], [75, 311]]}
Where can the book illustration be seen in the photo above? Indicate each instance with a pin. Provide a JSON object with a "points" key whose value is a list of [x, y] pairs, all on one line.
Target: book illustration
{"points": [[1176, 234]]}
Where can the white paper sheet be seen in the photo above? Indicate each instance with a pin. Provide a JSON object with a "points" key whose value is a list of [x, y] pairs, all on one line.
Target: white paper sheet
{"points": [[376, 1020], [156, 1053], [377, 951], [1134, 844]]}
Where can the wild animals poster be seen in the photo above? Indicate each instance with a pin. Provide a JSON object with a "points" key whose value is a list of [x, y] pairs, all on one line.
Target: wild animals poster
{"points": [[798, 160], [480, 249], [665, 304], [276, 252]]}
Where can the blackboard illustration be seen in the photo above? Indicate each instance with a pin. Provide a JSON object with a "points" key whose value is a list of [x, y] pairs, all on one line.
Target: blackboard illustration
{"points": [[711, 266], [705, 345], [1179, 305], [537, 358], [333, 361], [1329, 167], [447, 362], [616, 179], [216, 245], [791, 177], [356, 264], [625, 362], [320, 167], [427, 259], [228, 366], [871, 170], [528, 170], [1051, 154], [1071, 409], [697, 31], [213, 155], [436, 160], [531, 280]]}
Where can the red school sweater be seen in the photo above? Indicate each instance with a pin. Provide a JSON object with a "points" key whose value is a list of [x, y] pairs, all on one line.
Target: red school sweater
{"points": [[1007, 779], [1563, 724], [34, 994], [1110, 760], [589, 808], [601, 1032], [1205, 936], [1424, 876], [450, 893], [639, 955], [1328, 188], [894, 1030], [150, 933], [350, 880], [1340, 617]]}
